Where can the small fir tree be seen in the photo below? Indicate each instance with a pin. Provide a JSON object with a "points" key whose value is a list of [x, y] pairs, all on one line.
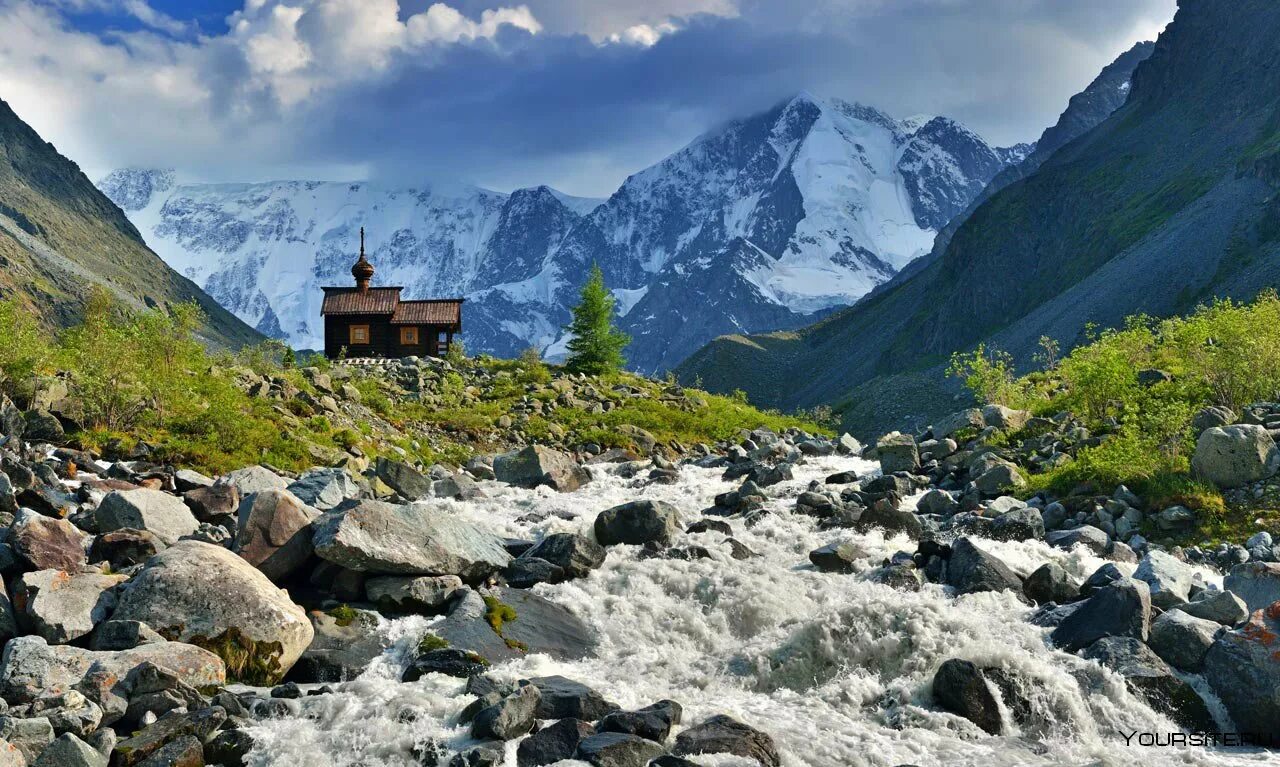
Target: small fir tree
{"points": [[597, 344]]}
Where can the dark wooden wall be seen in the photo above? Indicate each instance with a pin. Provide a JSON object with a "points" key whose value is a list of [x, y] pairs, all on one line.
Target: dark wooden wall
{"points": [[384, 338]]}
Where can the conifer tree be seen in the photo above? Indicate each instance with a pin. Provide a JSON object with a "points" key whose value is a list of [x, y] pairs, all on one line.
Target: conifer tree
{"points": [[597, 344]]}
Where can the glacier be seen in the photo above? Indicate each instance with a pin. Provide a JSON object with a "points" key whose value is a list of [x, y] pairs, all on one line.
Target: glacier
{"points": [[760, 224]]}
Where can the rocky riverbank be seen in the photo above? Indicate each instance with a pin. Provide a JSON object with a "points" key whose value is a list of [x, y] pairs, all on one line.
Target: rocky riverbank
{"points": [[156, 616]]}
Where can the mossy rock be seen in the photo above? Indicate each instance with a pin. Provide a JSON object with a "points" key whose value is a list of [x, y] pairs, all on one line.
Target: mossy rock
{"points": [[248, 661]]}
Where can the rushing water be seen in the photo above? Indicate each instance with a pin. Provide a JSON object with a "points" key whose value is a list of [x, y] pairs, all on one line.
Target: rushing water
{"points": [[836, 668]]}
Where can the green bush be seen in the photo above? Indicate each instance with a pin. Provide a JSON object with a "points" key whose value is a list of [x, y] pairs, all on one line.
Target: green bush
{"points": [[1224, 353]]}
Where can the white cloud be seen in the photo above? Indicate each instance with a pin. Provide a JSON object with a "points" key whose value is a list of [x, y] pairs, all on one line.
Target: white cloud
{"points": [[643, 34]]}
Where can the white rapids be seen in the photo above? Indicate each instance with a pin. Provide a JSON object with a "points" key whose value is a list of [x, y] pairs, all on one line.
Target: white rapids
{"points": [[836, 668]]}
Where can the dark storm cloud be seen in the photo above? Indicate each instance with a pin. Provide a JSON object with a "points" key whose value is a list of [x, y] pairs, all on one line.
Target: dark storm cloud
{"points": [[517, 102]]}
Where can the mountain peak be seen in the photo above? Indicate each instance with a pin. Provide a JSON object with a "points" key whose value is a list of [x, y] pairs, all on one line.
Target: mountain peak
{"points": [[133, 188]]}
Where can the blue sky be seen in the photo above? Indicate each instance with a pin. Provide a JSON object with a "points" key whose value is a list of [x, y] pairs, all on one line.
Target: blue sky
{"points": [[573, 93]]}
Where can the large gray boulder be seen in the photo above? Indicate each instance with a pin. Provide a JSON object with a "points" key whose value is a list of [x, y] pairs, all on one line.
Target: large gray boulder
{"points": [[1090, 537], [408, 482], [159, 513], [70, 751], [897, 452], [47, 544], [536, 465], [971, 569], [1122, 608], [62, 606], [1022, 524], [538, 626], [412, 539], [200, 593], [576, 555], [960, 687], [1243, 668], [723, 735], [1150, 677], [638, 523], [324, 488], [413, 593], [1181, 640], [1231, 456], [510, 717], [1170, 580], [965, 419], [618, 749], [1222, 607], [32, 668], [253, 479], [1051, 583], [344, 646], [1003, 417], [274, 532], [1257, 583]]}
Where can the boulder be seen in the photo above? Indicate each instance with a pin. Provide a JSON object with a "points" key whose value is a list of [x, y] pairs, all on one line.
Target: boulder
{"points": [[884, 515], [274, 532], [535, 465], [408, 482], [553, 743], [538, 625], [512, 717], [42, 426], [1222, 607], [325, 488], [961, 688], [1103, 576], [122, 635], [32, 668], [638, 523], [723, 735], [427, 594], [1000, 478], [576, 555], [413, 539], [345, 643], [187, 729], [1211, 417], [564, 698], [250, 623], [1243, 669], [1051, 583], [1002, 417], [1170, 580], [47, 544], [8, 618], [616, 749], [938, 502], [1231, 456], [159, 513], [971, 570], [1086, 535], [125, 548], [1121, 609], [1022, 524], [525, 572], [69, 751], [62, 606], [459, 487], [28, 736], [253, 479], [1175, 519], [1181, 640], [965, 419], [652, 722], [217, 503], [1257, 583], [1152, 679], [447, 661], [897, 452], [837, 557]]}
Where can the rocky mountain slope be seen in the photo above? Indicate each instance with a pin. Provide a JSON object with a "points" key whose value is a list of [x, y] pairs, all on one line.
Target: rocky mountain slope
{"points": [[1164, 204], [59, 236], [758, 225]]}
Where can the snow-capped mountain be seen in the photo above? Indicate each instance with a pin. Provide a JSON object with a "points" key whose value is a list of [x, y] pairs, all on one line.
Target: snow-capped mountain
{"points": [[755, 226]]}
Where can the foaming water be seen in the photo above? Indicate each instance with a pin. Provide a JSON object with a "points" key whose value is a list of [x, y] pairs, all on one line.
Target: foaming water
{"points": [[835, 667]]}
